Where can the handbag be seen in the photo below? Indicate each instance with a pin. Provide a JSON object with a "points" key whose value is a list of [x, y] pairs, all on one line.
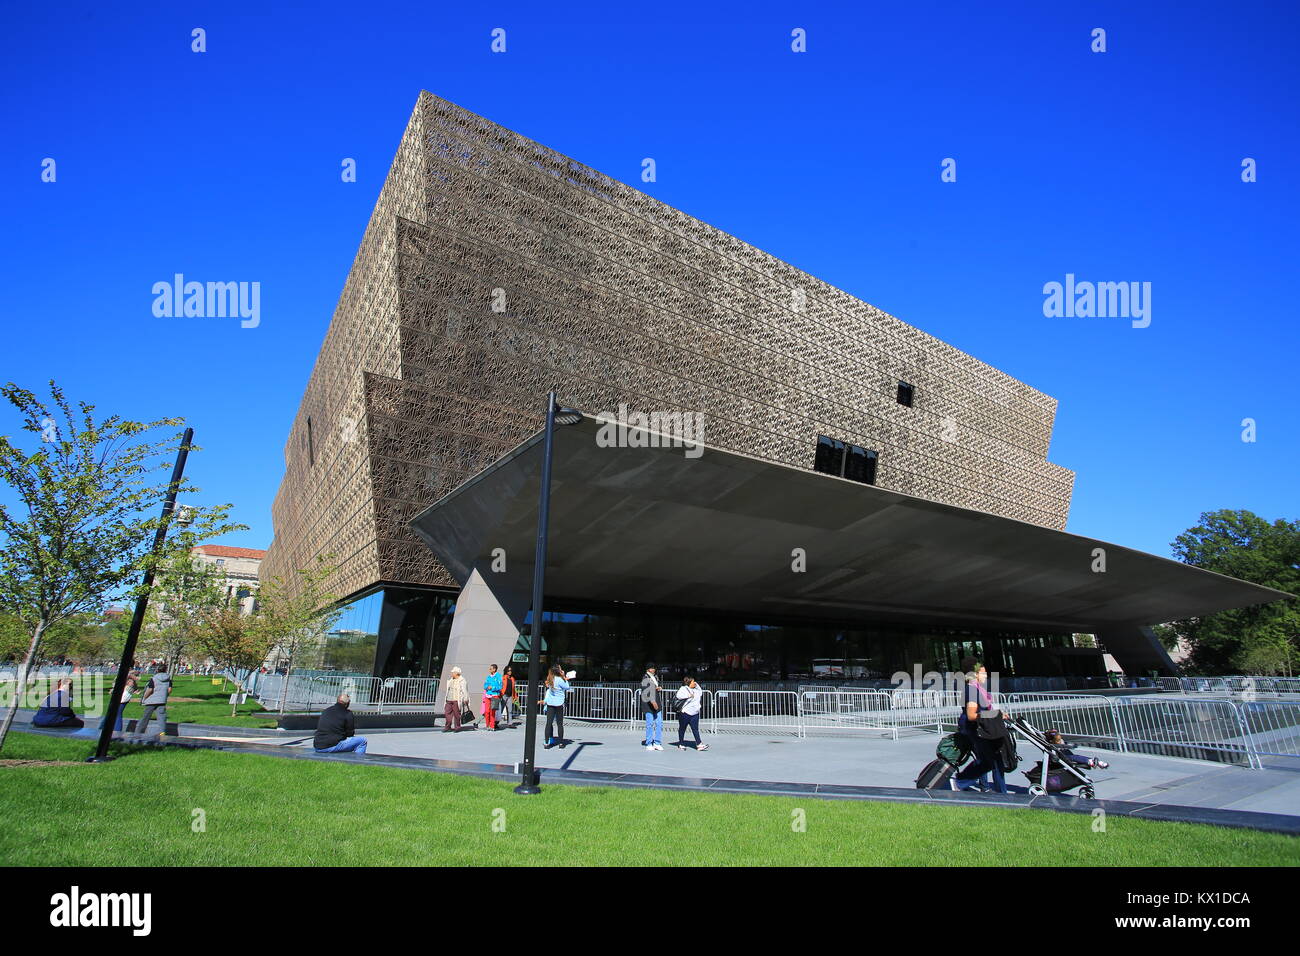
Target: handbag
{"points": [[991, 728], [467, 715]]}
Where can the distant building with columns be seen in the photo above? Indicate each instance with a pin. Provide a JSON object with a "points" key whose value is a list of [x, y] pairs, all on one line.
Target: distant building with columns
{"points": [[240, 568]]}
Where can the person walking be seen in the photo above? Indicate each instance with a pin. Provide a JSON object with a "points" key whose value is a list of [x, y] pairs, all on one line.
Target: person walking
{"points": [[132, 683], [457, 700], [509, 694], [154, 700], [491, 697], [556, 689], [653, 710], [336, 731], [977, 710], [690, 697]]}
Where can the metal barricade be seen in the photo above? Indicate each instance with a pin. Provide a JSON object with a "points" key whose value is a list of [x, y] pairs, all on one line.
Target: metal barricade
{"points": [[313, 693], [747, 711], [1198, 729], [1205, 685], [935, 709], [866, 711], [1085, 718], [408, 695], [601, 704], [1272, 726]]}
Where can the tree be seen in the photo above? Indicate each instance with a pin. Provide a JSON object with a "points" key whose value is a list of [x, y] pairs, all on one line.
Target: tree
{"points": [[85, 514], [80, 638], [1167, 635], [185, 592], [237, 643], [13, 638], [1246, 546], [299, 613]]}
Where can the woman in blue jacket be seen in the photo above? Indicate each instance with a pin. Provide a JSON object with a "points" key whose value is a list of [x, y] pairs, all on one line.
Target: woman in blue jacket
{"points": [[556, 688]]}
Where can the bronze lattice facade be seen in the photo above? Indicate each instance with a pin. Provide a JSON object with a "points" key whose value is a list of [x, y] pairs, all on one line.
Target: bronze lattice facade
{"points": [[494, 269]]}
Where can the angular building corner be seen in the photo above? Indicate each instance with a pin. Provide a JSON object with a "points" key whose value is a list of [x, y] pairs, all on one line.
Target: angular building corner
{"points": [[493, 270]]}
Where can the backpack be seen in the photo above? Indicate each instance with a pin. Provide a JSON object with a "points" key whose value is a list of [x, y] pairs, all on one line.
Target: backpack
{"points": [[953, 749]]}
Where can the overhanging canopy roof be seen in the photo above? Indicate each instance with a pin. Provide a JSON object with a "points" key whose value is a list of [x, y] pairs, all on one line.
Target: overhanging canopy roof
{"points": [[651, 525]]}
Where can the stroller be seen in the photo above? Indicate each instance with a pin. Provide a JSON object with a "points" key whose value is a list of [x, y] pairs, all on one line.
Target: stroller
{"points": [[1052, 774]]}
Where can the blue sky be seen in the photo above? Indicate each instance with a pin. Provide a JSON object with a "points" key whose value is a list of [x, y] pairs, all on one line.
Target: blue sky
{"points": [[1115, 166]]}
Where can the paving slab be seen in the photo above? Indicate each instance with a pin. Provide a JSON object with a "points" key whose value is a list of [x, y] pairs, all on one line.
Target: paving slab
{"points": [[761, 761]]}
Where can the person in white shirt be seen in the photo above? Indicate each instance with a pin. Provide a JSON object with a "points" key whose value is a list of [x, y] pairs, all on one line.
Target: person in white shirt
{"points": [[690, 695], [128, 691]]}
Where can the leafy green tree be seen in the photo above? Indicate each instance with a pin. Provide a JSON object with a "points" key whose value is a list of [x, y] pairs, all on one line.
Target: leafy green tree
{"points": [[83, 510], [186, 590], [299, 613], [1167, 635], [237, 642], [78, 639], [13, 638], [1246, 546]]}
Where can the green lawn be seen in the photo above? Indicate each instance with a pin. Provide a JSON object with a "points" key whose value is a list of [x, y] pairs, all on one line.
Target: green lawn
{"points": [[212, 704], [272, 811]]}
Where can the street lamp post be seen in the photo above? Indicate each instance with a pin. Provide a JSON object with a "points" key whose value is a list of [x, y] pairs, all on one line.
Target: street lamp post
{"points": [[555, 415], [183, 516]]}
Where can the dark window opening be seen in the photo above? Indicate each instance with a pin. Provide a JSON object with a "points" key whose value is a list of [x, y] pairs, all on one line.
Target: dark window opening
{"points": [[853, 462], [860, 465], [830, 456], [311, 446], [905, 394]]}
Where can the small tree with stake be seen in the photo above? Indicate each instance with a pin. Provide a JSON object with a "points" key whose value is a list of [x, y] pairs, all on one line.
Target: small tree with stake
{"points": [[184, 593], [238, 643], [84, 519], [299, 613]]}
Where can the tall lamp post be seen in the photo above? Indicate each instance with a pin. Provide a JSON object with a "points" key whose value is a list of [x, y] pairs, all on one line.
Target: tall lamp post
{"points": [[555, 415], [183, 516]]}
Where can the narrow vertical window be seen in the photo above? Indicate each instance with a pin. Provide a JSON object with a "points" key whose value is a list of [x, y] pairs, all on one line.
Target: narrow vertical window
{"points": [[905, 394], [311, 445], [860, 465], [830, 456]]}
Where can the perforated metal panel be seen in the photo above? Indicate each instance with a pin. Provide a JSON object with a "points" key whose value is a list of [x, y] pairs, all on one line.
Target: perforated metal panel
{"points": [[607, 296]]}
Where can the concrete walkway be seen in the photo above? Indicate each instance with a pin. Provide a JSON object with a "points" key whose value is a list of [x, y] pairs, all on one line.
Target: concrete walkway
{"points": [[845, 761]]}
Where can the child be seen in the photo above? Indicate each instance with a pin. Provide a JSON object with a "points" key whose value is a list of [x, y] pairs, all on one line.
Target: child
{"points": [[1063, 753]]}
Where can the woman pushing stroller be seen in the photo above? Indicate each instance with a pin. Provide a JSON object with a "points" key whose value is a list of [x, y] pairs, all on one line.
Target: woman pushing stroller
{"points": [[984, 726]]}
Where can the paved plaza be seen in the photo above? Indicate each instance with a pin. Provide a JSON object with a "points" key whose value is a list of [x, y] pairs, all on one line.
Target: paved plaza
{"points": [[832, 760]]}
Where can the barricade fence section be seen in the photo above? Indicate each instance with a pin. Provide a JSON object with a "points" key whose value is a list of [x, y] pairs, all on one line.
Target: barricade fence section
{"points": [[609, 705], [750, 711], [852, 711], [1247, 687], [1086, 719], [1272, 727], [408, 695], [312, 693], [1204, 729]]}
